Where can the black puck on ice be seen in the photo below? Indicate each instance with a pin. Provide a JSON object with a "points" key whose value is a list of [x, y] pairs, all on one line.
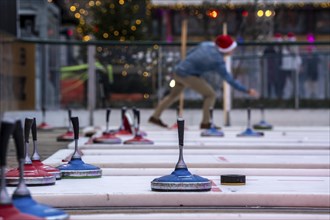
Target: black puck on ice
{"points": [[232, 179]]}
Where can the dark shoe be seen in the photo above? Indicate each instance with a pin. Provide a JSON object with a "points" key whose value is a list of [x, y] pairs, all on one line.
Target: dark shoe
{"points": [[208, 126], [158, 122]]}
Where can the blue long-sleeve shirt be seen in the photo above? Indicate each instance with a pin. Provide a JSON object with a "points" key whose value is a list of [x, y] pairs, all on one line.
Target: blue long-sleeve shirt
{"points": [[204, 58]]}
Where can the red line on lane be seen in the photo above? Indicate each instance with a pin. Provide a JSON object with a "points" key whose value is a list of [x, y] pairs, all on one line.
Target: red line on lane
{"points": [[223, 159]]}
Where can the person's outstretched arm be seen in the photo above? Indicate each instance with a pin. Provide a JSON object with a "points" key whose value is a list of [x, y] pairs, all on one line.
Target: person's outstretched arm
{"points": [[234, 83]]}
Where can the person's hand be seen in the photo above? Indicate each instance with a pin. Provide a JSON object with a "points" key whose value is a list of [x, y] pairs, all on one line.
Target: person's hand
{"points": [[253, 93]]}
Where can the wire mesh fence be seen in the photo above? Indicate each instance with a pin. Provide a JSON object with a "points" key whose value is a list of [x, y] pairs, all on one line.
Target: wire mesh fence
{"points": [[55, 74]]}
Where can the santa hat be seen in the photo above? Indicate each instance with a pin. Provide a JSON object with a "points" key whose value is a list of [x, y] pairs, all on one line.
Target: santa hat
{"points": [[225, 43], [278, 37], [291, 36]]}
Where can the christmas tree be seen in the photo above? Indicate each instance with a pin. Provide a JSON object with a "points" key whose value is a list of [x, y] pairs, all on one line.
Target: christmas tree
{"points": [[110, 19]]}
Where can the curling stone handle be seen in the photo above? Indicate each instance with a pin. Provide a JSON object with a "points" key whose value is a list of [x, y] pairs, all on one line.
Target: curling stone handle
{"points": [[35, 155], [22, 152], [7, 129], [180, 123], [108, 115], [43, 110], [123, 111], [262, 112], [69, 118], [34, 129], [27, 127], [69, 113], [107, 120], [134, 111], [19, 142], [211, 115], [137, 114], [75, 124], [249, 117]]}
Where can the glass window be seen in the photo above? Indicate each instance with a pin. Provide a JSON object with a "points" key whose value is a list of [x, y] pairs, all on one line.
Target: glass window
{"points": [[323, 22]]}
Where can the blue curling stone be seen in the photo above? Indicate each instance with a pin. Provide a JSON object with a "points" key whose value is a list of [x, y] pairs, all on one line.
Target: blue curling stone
{"points": [[212, 132], [250, 133], [29, 206], [181, 180], [263, 125], [76, 168]]}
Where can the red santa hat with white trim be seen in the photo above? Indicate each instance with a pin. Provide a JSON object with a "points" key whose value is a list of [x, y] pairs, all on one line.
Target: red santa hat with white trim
{"points": [[278, 37], [225, 43], [291, 36]]}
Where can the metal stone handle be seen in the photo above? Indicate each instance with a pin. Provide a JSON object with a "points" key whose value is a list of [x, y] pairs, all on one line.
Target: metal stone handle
{"points": [[211, 115], [35, 154], [134, 110], [123, 111], [34, 129], [69, 113], [69, 118], [262, 112], [108, 115], [27, 127], [180, 123], [107, 120], [249, 117], [6, 130], [75, 124], [137, 115], [19, 142], [43, 109]]}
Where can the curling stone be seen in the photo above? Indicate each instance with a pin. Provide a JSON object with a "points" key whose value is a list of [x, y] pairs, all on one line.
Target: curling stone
{"points": [[249, 132], [32, 175], [107, 137], [68, 135], [262, 125], [7, 210], [22, 197], [44, 126], [126, 127], [143, 133], [212, 131], [36, 162], [181, 179], [138, 138], [76, 168], [10, 212]]}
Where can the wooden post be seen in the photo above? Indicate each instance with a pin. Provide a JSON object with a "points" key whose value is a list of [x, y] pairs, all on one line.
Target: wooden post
{"points": [[226, 86], [224, 28], [91, 82], [184, 31]]}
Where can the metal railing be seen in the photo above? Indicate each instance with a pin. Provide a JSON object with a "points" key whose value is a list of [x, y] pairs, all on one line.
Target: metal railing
{"points": [[141, 72]]}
